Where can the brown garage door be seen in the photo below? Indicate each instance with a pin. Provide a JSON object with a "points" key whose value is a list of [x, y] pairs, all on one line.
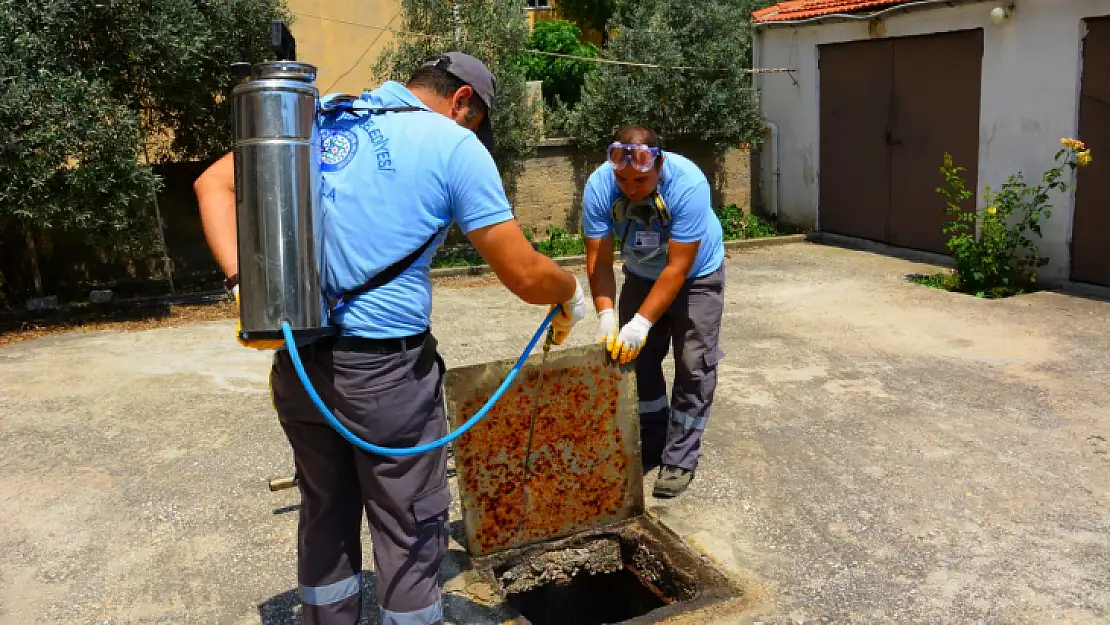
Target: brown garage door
{"points": [[890, 109], [1090, 244], [854, 193]]}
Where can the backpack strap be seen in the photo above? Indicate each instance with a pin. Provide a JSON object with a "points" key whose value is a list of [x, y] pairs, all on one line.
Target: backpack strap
{"points": [[386, 275], [345, 103]]}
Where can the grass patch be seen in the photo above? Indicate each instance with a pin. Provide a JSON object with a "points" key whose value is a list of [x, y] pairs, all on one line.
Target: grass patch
{"points": [[946, 281], [558, 244], [457, 256], [561, 243]]}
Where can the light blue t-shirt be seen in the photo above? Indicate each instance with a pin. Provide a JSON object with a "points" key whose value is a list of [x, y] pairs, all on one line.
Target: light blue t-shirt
{"points": [[388, 182], [644, 250]]}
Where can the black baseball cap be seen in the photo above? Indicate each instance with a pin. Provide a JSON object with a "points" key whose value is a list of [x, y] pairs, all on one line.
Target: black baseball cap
{"points": [[474, 73]]}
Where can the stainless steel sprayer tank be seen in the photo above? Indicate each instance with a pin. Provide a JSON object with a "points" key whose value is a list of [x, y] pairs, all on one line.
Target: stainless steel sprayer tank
{"points": [[276, 193]]}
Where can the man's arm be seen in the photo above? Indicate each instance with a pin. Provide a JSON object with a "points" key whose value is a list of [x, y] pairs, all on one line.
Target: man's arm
{"points": [[689, 226], [215, 190], [483, 213], [529, 275], [680, 258], [597, 230], [599, 269]]}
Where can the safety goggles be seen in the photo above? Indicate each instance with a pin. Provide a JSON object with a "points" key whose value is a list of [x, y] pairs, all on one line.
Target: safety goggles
{"points": [[641, 157]]}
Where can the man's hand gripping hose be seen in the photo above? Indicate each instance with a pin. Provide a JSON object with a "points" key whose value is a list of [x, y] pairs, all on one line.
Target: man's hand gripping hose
{"points": [[287, 332]]}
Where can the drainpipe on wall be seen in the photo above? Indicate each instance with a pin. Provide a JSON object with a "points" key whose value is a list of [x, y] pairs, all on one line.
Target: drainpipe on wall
{"points": [[773, 130], [771, 207]]}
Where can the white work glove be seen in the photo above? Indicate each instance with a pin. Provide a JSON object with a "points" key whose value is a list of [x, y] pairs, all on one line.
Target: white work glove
{"points": [[570, 313], [606, 327], [627, 345]]}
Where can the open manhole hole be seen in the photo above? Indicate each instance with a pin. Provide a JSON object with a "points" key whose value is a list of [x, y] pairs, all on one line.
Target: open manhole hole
{"points": [[635, 572]]}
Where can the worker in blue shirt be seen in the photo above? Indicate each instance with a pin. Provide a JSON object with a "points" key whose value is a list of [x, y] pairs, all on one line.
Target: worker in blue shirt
{"points": [[391, 184], [658, 204]]}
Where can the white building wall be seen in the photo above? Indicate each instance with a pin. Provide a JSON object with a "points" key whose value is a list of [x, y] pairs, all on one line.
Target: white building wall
{"points": [[1030, 98]]}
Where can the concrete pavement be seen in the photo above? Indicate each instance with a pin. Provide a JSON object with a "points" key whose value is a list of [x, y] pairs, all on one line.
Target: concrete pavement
{"points": [[878, 452]]}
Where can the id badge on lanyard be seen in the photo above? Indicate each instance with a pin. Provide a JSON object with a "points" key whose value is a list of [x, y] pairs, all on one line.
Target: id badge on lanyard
{"points": [[647, 244], [646, 241]]}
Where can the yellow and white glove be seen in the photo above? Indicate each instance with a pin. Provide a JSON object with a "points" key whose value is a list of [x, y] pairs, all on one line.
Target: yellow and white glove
{"points": [[606, 327], [570, 313], [627, 345], [272, 344]]}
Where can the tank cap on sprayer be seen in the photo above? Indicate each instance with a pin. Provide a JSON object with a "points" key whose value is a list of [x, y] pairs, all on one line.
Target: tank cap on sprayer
{"points": [[284, 70]]}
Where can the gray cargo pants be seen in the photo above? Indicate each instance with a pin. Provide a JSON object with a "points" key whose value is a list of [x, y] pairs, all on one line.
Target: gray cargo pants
{"points": [[671, 431], [391, 399]]}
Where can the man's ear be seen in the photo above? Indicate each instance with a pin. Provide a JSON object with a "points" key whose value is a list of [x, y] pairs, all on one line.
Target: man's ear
{"points": [[461, 100]]}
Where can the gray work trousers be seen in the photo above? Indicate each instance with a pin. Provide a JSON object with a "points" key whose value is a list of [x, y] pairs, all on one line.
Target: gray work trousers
{"points": [[671, 431], [390, 399]]}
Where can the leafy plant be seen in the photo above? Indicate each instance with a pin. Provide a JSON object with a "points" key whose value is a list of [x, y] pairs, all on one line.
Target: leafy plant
{"points": [[457, 256], [559, 242], [562, 78], [736, 225], [494, 31], [994, 251], [555, 116]]}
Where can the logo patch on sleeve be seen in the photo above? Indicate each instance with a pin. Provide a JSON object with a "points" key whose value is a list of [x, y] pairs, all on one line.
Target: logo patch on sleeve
{"points": [[338, 147]]}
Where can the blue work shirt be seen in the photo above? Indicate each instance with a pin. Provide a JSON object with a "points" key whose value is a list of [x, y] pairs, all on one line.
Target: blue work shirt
{"points": [[388, 182], [686, 191]]}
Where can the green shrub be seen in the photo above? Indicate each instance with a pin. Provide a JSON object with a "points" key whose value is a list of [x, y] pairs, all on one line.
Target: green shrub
{"points": [[562, 78], [993, 249], [561, 243], [736, 225]]}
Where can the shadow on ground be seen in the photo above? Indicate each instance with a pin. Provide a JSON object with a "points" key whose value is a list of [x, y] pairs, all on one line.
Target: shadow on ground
{"points": [[285, 608]]}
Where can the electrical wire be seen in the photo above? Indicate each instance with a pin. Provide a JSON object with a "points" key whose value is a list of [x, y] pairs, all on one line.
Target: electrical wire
{"points": [[591, 59], [652, 65]]}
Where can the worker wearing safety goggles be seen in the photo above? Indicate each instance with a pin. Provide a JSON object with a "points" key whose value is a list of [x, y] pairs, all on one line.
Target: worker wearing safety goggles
{"points": [[398, 166], [658, 204]]}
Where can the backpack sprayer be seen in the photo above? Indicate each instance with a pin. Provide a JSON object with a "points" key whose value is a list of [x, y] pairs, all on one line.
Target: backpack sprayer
{"points": [[277, 181]]}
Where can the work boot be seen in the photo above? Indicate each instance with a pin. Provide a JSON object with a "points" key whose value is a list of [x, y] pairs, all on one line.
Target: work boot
{"points": [[672, 481]]}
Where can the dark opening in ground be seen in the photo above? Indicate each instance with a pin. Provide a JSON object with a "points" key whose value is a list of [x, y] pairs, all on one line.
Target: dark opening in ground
{"points": [[587, 600], [631, 573]]}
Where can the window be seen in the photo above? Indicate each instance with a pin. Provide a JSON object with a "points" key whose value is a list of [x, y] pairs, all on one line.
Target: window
{"points": [[539, 4]]}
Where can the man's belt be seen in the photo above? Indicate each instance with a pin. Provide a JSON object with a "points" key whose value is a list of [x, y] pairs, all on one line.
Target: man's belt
{"points": [[376, 346]]}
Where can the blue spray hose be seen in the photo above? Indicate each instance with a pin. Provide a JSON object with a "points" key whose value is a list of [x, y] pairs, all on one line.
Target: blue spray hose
{"points": [[287, 331]]}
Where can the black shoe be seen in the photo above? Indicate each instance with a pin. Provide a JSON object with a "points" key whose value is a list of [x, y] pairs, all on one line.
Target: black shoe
{"points": [[672, 482]]}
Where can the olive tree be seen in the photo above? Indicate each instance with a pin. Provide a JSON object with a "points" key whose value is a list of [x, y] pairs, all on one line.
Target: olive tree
{"points": [[712, 100], [494, 31], [93, 91]]}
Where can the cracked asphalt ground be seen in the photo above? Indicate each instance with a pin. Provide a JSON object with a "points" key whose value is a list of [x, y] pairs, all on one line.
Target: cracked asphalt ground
{"points": [[878, 452]]}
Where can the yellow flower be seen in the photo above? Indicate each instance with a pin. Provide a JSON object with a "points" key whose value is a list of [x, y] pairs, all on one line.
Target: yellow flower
{"points": [[1083, 158], [991, 210], [1074, 144]]}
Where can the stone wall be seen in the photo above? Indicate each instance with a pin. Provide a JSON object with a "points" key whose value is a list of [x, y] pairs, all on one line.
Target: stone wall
{"points": [[549, 191], [549, 194]]}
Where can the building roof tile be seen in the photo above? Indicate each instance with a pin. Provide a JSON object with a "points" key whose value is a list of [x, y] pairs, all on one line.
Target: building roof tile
{"points": [[802, 9]]}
